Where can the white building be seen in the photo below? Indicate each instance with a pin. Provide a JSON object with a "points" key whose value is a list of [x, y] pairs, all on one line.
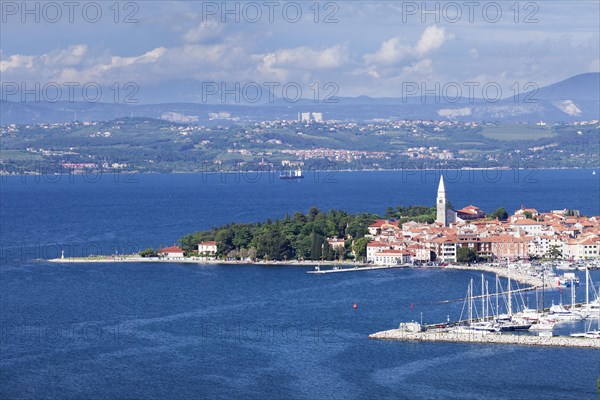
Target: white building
{"points": [[336, 243], [580, 249], [207, 248], [392, 257], [528, 226], [375, 247], [173, 252]]}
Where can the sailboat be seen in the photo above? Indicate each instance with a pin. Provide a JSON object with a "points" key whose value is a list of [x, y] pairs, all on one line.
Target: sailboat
{"points": [[589, 333], [508, 322], [472, 326], [593, 310], [590, 309]]}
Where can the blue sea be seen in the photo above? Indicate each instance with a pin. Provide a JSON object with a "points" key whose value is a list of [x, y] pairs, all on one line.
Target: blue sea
{"points": [[156, 331]]}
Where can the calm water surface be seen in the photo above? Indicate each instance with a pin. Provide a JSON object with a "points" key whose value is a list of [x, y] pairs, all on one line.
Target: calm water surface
{"points": [[237, 332]]}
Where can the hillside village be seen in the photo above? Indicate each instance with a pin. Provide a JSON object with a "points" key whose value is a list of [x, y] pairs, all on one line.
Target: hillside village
{"points": [[526, 234]]}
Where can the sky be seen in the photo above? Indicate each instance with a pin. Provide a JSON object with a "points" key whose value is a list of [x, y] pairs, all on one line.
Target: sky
{"points": [[359, 48]]}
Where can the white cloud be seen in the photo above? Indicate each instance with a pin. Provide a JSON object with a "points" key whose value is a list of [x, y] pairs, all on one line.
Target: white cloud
{"points": [[309, 59], [146, 58], [204, 31], [419, 67], [391, 52], [395, 53], [69, 56], [432, 39], [17, 61], [373, 73], [72, 55]]}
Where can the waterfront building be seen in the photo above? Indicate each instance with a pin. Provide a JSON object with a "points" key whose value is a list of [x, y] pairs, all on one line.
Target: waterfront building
{"points": [[208, 248], [392, 257], [173, 252]]}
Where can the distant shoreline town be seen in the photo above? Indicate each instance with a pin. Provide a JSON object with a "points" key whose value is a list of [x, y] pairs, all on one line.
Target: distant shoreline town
{"points": [[139, 145]]}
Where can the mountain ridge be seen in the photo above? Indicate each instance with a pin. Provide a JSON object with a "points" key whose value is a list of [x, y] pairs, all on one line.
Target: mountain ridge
{"points": [[572, 99]]}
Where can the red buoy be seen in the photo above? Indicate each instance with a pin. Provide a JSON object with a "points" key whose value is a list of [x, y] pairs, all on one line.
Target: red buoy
{"points": [[355, 306]]}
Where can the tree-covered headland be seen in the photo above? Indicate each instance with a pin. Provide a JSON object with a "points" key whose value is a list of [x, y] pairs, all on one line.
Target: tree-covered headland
{"points": [[301, 236]]}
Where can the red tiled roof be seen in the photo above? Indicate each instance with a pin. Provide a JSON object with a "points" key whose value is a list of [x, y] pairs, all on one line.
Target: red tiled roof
{"points": [[526, 221], [172, 249], [377, 244]]}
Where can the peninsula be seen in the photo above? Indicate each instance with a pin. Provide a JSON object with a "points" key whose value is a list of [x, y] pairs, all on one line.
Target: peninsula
{"points": [[422, 236]]}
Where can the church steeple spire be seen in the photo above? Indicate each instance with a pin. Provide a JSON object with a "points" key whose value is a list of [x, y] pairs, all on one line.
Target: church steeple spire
{"points": [[442, 204], [441, 187]]}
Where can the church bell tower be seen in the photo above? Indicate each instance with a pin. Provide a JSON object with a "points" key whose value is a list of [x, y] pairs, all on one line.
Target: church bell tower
{"points": [[442, 204]]}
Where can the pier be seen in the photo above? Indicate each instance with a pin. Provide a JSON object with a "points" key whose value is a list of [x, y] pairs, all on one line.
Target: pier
{"points": [[487, 338]]}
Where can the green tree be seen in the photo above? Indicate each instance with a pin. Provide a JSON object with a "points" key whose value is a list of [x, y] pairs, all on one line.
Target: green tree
{"points": [[242, 236], [316, 246], [466, 255], [554, 252], [302, 247], [271, 245], [499, 213], [527, 214], [224, 238], [390, 213], [360, 247], [149, 252]]}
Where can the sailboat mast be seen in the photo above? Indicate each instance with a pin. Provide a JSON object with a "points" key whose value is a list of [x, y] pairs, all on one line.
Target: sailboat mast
{"points": [[471, 302], [543, 289], [509, 295], [497, 310], [587, 283], [482, 297], [572, 294], [487, 303]]}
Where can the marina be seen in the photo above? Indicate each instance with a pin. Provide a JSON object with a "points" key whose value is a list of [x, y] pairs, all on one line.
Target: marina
{"points": [[514, 325]]}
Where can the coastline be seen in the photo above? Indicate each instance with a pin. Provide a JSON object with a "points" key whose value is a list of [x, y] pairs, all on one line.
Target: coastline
{"points": [[201, 261], [516, 276], [136, 172]]}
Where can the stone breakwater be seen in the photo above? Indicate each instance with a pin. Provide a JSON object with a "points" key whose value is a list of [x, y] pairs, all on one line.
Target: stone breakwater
{"points": [[489, 338]]}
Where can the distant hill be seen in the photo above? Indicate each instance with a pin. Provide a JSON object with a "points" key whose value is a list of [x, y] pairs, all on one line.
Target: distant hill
{"points": [[573, 99], [579, 88]]}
